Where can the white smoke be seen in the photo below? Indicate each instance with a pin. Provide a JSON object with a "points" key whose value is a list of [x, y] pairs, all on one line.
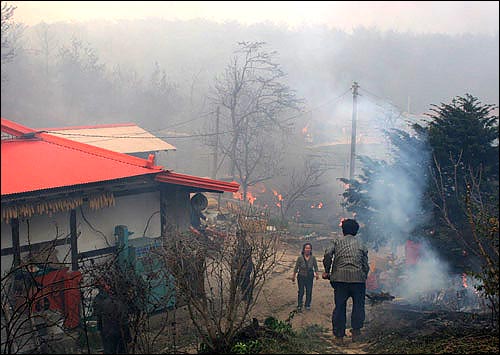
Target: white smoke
{"points": [[427, 277], [397, 194]]}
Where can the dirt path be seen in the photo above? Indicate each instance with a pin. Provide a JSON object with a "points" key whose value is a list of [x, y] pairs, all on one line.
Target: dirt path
{"points": [[279, 298]]}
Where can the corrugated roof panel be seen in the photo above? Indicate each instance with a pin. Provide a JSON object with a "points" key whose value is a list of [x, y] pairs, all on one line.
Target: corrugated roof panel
{"points": [[35, 161], [122, 138], [38, 161], [30, 165]]}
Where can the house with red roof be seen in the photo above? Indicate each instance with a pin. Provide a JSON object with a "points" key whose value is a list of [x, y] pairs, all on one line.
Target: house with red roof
{"points": [[126, 138], [67, 192]]}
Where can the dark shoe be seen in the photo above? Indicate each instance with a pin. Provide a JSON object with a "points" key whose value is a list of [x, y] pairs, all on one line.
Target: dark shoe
{"points": [[308, 308], [339, 341], [356, 335], [299, 309]]}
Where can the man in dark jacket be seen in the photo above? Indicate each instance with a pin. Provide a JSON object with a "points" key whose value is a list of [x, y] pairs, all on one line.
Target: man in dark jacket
{"points": [[112, 322], [242, 265], [346, 265]]}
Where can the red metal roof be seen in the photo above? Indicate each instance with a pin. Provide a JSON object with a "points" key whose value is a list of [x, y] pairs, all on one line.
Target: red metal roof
{"points": [[195, 181], [38, 161]]}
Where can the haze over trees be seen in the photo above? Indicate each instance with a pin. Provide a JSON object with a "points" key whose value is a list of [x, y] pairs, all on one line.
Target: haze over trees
{"points": [[161, 75], [267, 84], [320, 63]]}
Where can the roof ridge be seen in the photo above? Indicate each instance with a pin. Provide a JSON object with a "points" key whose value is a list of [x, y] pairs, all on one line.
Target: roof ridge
{"points": [[15, 129], [18, 130], [102, 152], [106, 125]]}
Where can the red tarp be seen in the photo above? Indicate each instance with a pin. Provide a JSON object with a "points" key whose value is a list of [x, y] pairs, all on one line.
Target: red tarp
{"points": [[60, 290], [412, 252], [372, 282]]}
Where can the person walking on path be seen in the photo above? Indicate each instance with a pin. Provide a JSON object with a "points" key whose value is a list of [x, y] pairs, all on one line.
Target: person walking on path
{"points": [[306, 269], [346, 266]]}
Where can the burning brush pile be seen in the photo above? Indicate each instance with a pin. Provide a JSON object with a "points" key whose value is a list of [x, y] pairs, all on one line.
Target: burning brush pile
{"points": [[422, 284], [394, 328], [421, 308]]}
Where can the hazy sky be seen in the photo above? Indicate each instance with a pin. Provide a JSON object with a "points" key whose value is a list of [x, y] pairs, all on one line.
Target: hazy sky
{"points": [[451, 17]]}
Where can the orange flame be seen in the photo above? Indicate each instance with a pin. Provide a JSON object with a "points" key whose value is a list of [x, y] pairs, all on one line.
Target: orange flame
{"points": [[320, 205], [279, 197], [251, 198], [239, 196], [464, 280], [304, 130]]}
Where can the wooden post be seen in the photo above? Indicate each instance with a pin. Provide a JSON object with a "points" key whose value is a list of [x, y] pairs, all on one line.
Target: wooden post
{"points": [[74, 244], [352, 170], [163, 211], [16, 249]]}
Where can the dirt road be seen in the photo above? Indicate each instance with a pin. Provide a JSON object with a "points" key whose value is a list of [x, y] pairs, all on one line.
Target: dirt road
{"points": [[279, 298]]}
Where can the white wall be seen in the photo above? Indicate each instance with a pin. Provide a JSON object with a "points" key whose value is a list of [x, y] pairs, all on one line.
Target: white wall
{"points": [[132, 211]]}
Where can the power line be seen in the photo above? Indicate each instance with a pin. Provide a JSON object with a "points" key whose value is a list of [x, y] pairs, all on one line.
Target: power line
{"points": [[330, 101], [155, 137], [385, 100]]}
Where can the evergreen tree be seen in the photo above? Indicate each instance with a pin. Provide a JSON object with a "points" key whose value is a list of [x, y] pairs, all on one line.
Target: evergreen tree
{"points": [[463, 137], [423, 191], [387, 196]]}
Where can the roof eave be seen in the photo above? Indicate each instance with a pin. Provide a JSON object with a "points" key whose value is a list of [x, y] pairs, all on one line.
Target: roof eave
{"points": [[197, 182]]}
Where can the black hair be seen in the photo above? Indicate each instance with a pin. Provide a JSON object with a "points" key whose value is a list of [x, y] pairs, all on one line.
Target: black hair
{"points": [[304, 246], [350, 226]]}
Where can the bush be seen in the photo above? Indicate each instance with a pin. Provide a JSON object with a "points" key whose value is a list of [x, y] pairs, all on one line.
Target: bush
{"points": [[251, 347]]}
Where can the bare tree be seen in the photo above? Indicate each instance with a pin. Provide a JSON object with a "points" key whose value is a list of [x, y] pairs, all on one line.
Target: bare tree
{"points": [[7, 27], [11, 32], [256, 109], [47, 45], [478, 237], [299, 183], [83, 82], [482, 217], [221, 278]]}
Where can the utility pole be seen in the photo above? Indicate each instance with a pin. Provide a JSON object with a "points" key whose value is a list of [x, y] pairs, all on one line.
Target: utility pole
{"points": [[216, 151], [216, 148], [355, 87]]}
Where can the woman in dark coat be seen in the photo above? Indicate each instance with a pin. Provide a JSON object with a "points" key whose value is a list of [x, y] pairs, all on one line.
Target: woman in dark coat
{"points": [[306, 269]]}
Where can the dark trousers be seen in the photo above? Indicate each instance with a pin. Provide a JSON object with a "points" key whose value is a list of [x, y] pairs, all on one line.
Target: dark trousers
{"points": [[305, 283], [342, 292], [113, 344], [245, 284]]}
